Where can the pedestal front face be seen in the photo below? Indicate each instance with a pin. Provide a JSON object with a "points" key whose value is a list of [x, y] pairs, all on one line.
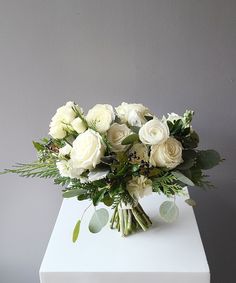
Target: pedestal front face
{"points": [[166, 253]]}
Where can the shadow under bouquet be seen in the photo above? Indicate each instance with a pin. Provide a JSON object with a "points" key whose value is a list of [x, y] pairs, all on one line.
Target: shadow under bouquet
{"points": [[117, 156]]}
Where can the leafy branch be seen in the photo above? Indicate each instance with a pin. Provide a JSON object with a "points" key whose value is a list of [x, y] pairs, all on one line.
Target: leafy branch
{"points": [[167, 184], [34, 169]]}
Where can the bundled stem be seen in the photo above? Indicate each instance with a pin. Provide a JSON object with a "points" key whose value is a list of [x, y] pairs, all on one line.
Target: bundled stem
{"points": [[128, 221]]}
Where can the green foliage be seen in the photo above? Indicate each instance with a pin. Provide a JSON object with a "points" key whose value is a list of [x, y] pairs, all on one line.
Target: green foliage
{"points": [[135, 129], [107, 199], [188, 116], [38, 146], [167, 184], [99, 196], [191, 140], [181, 130], [182, 178], [63, 181], [207, 159], [76, 231], [130, 139], [198, 178], [80, 115], [148, 117], [73, 193], [189, 157], [34, 169], [98, 220]]}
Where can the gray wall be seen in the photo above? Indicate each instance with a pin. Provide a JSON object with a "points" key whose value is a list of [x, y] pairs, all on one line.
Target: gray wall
{"points": [[170, 55]]}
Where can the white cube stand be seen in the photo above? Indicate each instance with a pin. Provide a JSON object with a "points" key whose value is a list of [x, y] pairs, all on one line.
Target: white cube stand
{"points": [[167, 253]]}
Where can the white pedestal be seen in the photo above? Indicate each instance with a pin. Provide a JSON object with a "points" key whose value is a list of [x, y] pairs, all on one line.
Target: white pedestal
{"points": [[167, 253]]}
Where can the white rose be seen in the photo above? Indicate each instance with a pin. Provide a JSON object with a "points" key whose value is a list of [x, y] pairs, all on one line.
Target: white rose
{"points": [[66, 169], [132, 113], [116, 134], [139, 187], [87, 150], [78, 125], [154, 132], [139, 152], [167, 154], [60, 123], [101, 115]]}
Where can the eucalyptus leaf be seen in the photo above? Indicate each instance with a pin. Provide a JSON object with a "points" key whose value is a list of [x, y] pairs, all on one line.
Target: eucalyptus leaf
{"points": [[189, 157], [76, 231], [191, 202], [73, 193], [107, 200], [206, 159], [169, 211], [98, 220], [130, 139], [182, 178], [98, 174]]}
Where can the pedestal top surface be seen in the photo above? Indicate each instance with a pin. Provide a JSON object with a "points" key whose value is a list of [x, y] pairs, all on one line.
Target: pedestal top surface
{"points": [[175, 247]]}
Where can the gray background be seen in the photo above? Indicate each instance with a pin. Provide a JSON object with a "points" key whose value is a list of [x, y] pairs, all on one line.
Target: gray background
{"points": [[170, 55]]}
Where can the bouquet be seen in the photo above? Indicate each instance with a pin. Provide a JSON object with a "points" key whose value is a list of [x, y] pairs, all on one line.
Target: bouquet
{"points": [[117, 156]]}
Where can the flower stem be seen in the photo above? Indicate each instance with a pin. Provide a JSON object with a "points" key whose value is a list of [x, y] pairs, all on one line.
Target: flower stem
{"points": [[128, 221]]}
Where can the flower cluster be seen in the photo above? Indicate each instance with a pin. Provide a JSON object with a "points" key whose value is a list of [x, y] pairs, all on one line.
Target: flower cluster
{"points": [[117, 156]]}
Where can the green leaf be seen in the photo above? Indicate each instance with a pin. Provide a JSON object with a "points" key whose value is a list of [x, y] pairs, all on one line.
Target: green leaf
{"points": [[76, 231], [169, 211], [38, 146], [98, 197], [107, 200], [189, 157], [98, 220], [148, 117], [182, 178], [206, 159], [130, 139], [135, 167], [73, 193], [108, 159], [191, 202], [191, 141], [135, 129]]}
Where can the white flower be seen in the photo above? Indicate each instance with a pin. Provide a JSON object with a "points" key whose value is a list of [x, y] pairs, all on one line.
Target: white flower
{"points": [[88, 148], [140, 152], [66, 169], [133, 113], [65, 150], [116, 134], [60, 123], [78, 125], [139, 187], [101, 115], [167, 154], [171, 117], [154, 132]]}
